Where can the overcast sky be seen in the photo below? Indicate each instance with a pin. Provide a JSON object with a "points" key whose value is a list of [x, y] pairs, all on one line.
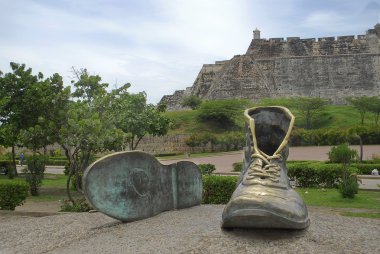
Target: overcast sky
{"points": [[159, 46]]}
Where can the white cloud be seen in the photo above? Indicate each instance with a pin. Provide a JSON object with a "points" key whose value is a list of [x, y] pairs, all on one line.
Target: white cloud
{"points": [[324, 20], [158, 45]]}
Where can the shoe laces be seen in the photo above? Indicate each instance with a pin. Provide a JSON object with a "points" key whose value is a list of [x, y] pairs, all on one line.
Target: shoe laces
{"points": [[264, 168]]}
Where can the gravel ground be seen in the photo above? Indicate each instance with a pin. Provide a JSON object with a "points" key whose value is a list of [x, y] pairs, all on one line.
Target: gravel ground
{"points": [[193, 230]]}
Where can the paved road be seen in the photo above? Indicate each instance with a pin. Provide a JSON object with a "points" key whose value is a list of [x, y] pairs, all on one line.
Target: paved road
{"points": [[48, 169], [223, 162]]}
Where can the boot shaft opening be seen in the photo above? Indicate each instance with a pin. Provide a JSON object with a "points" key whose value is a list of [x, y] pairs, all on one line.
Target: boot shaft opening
{"points": [[271, 127]]}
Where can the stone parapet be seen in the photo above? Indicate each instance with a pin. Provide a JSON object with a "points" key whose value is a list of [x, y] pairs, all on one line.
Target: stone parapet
{"points": [[327, 67]]}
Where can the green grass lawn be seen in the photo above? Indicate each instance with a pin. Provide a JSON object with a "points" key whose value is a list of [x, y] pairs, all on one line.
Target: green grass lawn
{"points": [[49, 181], [333, 116], [54, 181], [53, 188], [343, 116], [185, 122], [364, 215], [192, 155], [332, 198]]}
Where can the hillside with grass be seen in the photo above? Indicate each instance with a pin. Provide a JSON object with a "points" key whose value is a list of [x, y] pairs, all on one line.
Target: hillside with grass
{"points": [[332, 116], [317, 122]]}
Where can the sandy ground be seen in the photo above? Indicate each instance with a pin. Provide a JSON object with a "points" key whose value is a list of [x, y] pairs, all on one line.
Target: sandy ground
{"points": [[192, 230]]}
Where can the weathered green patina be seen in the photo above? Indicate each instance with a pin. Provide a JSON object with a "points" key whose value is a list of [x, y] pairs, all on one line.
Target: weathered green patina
{"points": [[134, 185]]}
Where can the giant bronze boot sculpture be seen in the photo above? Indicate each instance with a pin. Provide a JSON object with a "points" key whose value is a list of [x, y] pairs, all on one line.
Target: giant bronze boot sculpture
{"points": [[264, 198]]}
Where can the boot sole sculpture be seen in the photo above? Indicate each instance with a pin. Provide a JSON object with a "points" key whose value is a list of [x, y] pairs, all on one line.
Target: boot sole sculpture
{"points": [[130, 186], [263, 197]]}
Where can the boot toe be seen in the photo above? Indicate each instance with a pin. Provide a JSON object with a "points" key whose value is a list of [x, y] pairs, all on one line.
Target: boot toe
{"points": [[261, 207]]}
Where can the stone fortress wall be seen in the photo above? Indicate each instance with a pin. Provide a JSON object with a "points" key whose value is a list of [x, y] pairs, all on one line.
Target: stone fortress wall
{"points": [[327, 67]]}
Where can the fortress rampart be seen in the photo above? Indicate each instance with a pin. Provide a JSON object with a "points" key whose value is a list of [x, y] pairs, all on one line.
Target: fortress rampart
{"points": [[327, 67]]}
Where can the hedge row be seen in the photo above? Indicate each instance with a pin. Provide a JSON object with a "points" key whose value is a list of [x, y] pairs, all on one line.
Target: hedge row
{"points": [[365, 169], [369, 135], [56, 162], [313, 174], [218, 189], [57, 158], [5, 166], [12, 194]]}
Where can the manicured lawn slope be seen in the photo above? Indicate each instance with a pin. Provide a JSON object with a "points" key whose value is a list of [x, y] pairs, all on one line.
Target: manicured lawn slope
{"points": [[332, 117], [332, 198]]}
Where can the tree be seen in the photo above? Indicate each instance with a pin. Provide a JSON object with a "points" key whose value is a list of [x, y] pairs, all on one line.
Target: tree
{"points": [[28, 110], [355, 133], [135, 117], [47, 100], [86, 127], [16, 112], [362, 104], [85, 133], [194, 140], [191, 101], [221, 112], [9, 138], [232, 140], [309, 108], [374, 107]]}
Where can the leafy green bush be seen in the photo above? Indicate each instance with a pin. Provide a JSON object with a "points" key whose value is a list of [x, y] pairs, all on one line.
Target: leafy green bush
{"points": [[165, 154], [12, 194], [365, 169], [80, 205], [56, 162], [238, 166], [6, 166], [197, 139], [221, 112], [314, 174], [34, 173], [191, 101], [232, 140], [342, 154], [369, 134], [74, 182], [349, 186], [55, 158], [206, 169], [218, 189], [333, 136]]}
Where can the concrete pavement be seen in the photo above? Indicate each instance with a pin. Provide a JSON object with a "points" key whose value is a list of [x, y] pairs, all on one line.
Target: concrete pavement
{"points": [[191, 230]]}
